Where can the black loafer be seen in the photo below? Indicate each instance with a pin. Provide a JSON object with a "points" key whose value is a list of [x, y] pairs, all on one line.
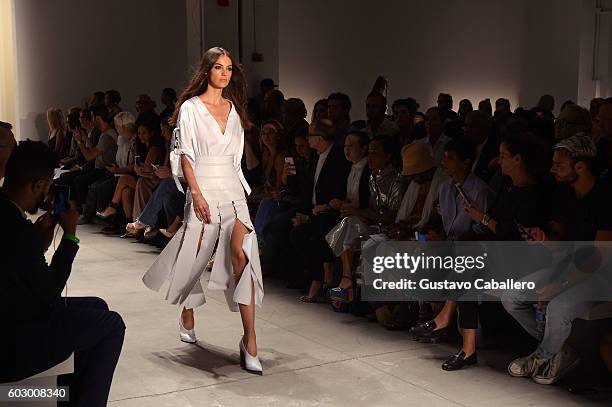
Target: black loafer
{"points": [[427, 330], [457, 361]]}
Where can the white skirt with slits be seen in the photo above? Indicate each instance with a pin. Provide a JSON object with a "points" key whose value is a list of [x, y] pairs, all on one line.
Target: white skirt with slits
{"points": [[183, 264]]}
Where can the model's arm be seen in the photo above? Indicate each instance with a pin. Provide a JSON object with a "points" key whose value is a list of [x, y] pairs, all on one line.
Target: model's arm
{"points": [[200, 206]]}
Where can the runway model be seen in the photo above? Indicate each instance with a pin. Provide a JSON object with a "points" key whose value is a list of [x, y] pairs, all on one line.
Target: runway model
{"points": [[208, 146]]}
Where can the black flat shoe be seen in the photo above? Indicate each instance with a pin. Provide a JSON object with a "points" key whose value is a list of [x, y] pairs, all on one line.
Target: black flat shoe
{"points": [[459, 360], [427, 330]]}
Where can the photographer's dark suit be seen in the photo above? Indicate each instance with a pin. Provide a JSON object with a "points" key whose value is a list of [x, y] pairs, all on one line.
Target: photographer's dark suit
{"points": [[40, 328], [308, 240]]}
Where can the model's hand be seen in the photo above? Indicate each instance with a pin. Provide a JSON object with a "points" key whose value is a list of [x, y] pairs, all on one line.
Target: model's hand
{"points": [[201, 209]]}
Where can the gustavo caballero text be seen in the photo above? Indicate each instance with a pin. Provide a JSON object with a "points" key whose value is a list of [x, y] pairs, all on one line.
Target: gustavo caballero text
{"points": [[427, 284]]}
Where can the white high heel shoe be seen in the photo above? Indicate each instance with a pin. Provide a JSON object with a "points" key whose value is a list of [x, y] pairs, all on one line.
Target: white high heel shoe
{"points": [[249, 363], [186, 335]]}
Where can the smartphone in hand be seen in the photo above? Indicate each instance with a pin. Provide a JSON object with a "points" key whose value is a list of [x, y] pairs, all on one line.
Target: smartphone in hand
{"points": [[291, 162]]}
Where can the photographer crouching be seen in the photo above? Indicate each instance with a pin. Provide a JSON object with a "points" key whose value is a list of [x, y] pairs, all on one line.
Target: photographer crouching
{"points": [[40, 327]]}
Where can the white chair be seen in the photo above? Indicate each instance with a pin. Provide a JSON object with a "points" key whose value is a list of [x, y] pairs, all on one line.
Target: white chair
{"points": [[48, 378]]}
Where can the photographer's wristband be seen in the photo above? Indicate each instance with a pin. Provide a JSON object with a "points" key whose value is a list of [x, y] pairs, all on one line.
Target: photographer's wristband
{"points": [[72, 238]]}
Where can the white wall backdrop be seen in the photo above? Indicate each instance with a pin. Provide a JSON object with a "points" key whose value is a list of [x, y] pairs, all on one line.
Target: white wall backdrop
{"points": [[473, 49], [66, 49]]}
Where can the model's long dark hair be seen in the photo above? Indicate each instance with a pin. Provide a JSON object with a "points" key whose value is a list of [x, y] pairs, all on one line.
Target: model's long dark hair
{"points": [[234, 91]]}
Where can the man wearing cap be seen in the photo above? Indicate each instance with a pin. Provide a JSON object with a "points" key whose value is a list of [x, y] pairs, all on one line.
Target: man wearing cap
{"points": [[586, 217]]}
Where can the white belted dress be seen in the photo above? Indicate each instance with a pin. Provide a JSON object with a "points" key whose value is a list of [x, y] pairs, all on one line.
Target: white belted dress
{"points": [[215, 158]]}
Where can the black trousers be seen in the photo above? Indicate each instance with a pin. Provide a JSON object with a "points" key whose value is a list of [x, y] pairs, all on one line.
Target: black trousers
{"points": [[468, 314], [82, 325], [310, 247], [79, 182]]}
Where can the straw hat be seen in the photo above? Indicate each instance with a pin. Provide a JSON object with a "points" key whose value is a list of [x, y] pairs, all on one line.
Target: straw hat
{"points": [[417, 158]]}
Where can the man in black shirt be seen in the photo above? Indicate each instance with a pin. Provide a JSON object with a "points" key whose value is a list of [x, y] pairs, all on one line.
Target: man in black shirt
{"points": [[41, 328], [586, 217]]}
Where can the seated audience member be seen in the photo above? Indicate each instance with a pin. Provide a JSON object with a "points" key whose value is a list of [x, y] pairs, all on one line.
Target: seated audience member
{"points": [[96, 99], [293, 113], [101, 192], [478, 131], [275, 242], [313, 218], [274, 144], [359, 221], [571, 121], [168, 99], [485, 107], [445, 106], [146, 183], [523, 160], [274, 150], [435, 139], [101, 155], [339, 112], [145, 195], [58, 133], [502, 114], [319, 111], [145, 106], [378, 123], [7, 144], [45, 327], [546, 105], [91, 133], [272, 105], [457, 162], [465, 107], [74, 156], [111, 100], [357, 193], [586, 216], [416, 211], [403, 115], [150, 150]]}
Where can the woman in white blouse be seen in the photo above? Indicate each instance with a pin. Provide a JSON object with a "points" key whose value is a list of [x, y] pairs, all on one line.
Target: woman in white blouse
{"points": [[209, 143]]}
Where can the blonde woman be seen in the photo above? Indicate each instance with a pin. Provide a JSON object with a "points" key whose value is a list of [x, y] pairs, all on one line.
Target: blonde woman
{"points": [[57, 132]]}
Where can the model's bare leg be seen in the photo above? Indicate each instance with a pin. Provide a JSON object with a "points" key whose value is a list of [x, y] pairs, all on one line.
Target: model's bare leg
{"points": [[239, 261], [187, 314], [187, 317]]}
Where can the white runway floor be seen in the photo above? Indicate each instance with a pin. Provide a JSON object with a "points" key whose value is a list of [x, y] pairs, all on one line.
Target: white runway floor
{"points": [[311, 355]]}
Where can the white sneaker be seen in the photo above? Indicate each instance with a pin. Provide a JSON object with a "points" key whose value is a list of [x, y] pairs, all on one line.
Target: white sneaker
{"points": [[525, 366], [557, 367], [186, 335], [249, 363]]}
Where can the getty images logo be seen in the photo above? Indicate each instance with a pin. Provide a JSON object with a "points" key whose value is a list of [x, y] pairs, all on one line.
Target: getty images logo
{"points": [[410, 263]]}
